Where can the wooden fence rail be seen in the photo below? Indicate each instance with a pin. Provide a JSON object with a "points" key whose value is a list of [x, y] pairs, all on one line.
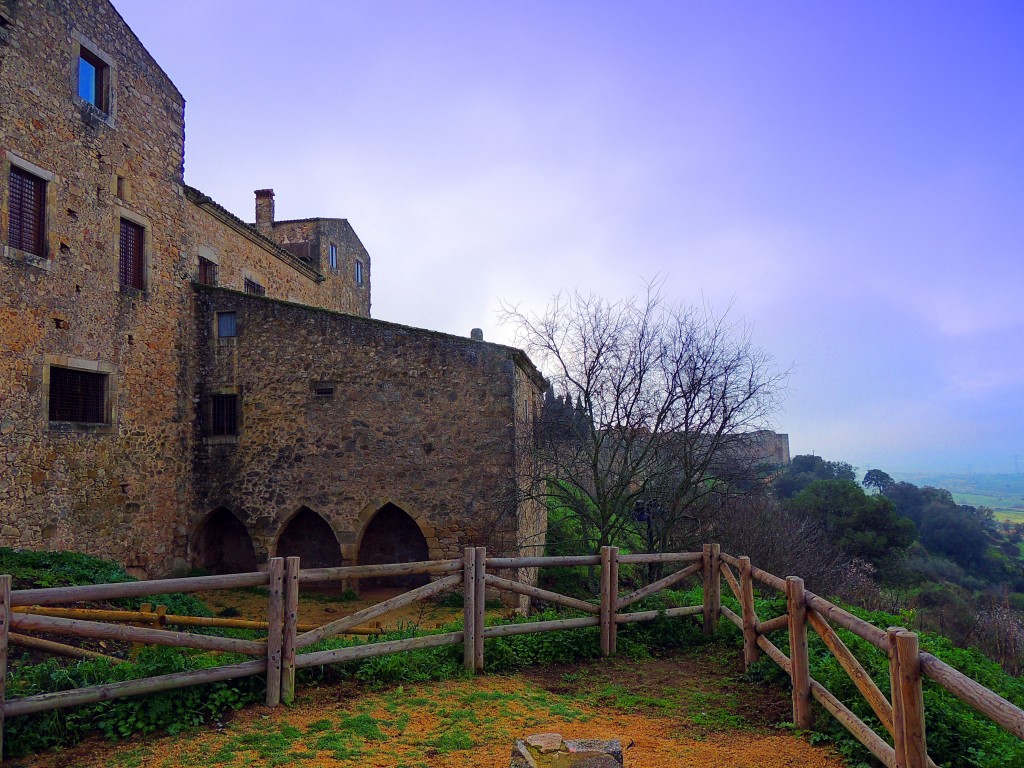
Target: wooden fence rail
{"points": [[281, 652]]}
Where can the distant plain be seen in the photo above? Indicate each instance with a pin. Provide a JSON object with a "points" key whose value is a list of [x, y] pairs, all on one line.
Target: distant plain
{"points": [[1002, 493]]}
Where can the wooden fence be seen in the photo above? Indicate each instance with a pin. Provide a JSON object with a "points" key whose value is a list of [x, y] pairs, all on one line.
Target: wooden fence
{"points": [[279, 654]]}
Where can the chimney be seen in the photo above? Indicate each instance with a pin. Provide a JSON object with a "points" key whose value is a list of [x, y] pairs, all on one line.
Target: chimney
{"points": [[476, 334], [264, 211]]}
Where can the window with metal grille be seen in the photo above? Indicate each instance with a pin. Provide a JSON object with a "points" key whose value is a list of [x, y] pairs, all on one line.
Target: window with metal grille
{"points": [[78, 396], [251, 286], [359, 272], [27, 220], [207, 272], [131, 269], [93, 80], [224, 414], [334, 257]]}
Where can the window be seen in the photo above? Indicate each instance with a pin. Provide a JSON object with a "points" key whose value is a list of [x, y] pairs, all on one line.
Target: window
{"points": [[227, 326], [77, 396], [93, 80], [334, 257], [207, 272], [131, 266], [224, 415], [359, 273], [323, 390], [251, 286], [26, 228]]}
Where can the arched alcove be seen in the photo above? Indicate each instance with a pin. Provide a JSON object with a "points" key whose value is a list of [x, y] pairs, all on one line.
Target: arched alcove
{"points": [[392, 536], [310, 538], [221, 544]]}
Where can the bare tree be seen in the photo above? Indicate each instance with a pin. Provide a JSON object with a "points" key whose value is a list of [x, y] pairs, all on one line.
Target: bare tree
{"points": [[786, 543], [660, 403]]}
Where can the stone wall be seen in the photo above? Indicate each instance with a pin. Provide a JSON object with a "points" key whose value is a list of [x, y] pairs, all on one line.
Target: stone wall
{"points": [[125, 481], [241, 254], [317, 235], [421, 420]]}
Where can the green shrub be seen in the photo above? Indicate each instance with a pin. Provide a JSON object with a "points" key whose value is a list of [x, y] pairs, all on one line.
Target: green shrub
{"points": [[34, 570], [171, 711]]}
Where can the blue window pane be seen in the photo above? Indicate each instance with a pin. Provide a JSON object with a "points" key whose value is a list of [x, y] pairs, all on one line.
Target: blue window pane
{"points": [[87, 81], [226, 324]]}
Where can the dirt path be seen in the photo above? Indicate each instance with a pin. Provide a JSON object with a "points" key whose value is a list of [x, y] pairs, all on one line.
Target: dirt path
{"points": [[689, 710]]}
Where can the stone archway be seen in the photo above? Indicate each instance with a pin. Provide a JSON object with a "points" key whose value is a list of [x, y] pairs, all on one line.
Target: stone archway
{"points": [[221, 544], [310, 538], [392, 536]]}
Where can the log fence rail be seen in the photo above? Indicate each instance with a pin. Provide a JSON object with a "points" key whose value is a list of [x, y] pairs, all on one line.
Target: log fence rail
{"points": [[286, 646]]}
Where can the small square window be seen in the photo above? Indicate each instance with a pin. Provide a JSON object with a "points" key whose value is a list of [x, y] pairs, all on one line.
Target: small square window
{"points": [[94, 80], [227, 327], [77, 396], [251, 286], [359, 273], [131, 264], [207, 272], [26, 226], [334, 257]]}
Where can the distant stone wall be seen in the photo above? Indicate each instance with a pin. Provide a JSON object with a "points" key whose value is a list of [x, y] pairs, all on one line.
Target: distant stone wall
{"points": [[421, 420]]}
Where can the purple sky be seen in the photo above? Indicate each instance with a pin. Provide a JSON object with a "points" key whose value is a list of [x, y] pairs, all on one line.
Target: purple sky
{"points": [[849, 177]]}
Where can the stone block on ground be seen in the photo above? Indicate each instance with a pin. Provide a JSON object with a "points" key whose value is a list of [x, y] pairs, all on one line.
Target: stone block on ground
{"points": [[550, 750]]}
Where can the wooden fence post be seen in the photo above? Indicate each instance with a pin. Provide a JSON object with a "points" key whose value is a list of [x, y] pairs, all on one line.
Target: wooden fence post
{"points": [[291, 623], [750, 650], [911, 702], [275, 630], [469, 609], [479, 606], [894, 696], [5, 625], [712, 587], [613, 599], [606, 601], [801, 674]]}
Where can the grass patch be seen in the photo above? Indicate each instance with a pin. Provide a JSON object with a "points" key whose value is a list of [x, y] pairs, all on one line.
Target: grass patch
{"points": [[451, 738], [363, 726]]}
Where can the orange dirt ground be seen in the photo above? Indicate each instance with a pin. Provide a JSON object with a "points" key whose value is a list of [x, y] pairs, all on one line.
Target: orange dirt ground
{"points": [[688, 710]]}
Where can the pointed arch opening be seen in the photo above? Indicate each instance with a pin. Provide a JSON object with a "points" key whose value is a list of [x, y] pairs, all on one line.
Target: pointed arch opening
{"points": [[310, 538], [221, 544], [392, 536]]}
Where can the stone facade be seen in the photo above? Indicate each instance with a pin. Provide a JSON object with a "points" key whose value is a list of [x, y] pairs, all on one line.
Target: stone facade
{"points": [[361, 415], [110, 355]]}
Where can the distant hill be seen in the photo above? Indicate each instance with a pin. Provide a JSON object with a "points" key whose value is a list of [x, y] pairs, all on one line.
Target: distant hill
{"points": [[1004, 493]]}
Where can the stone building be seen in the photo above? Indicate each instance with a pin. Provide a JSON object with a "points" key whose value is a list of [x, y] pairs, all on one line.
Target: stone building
{"points": [[179, 387]]}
